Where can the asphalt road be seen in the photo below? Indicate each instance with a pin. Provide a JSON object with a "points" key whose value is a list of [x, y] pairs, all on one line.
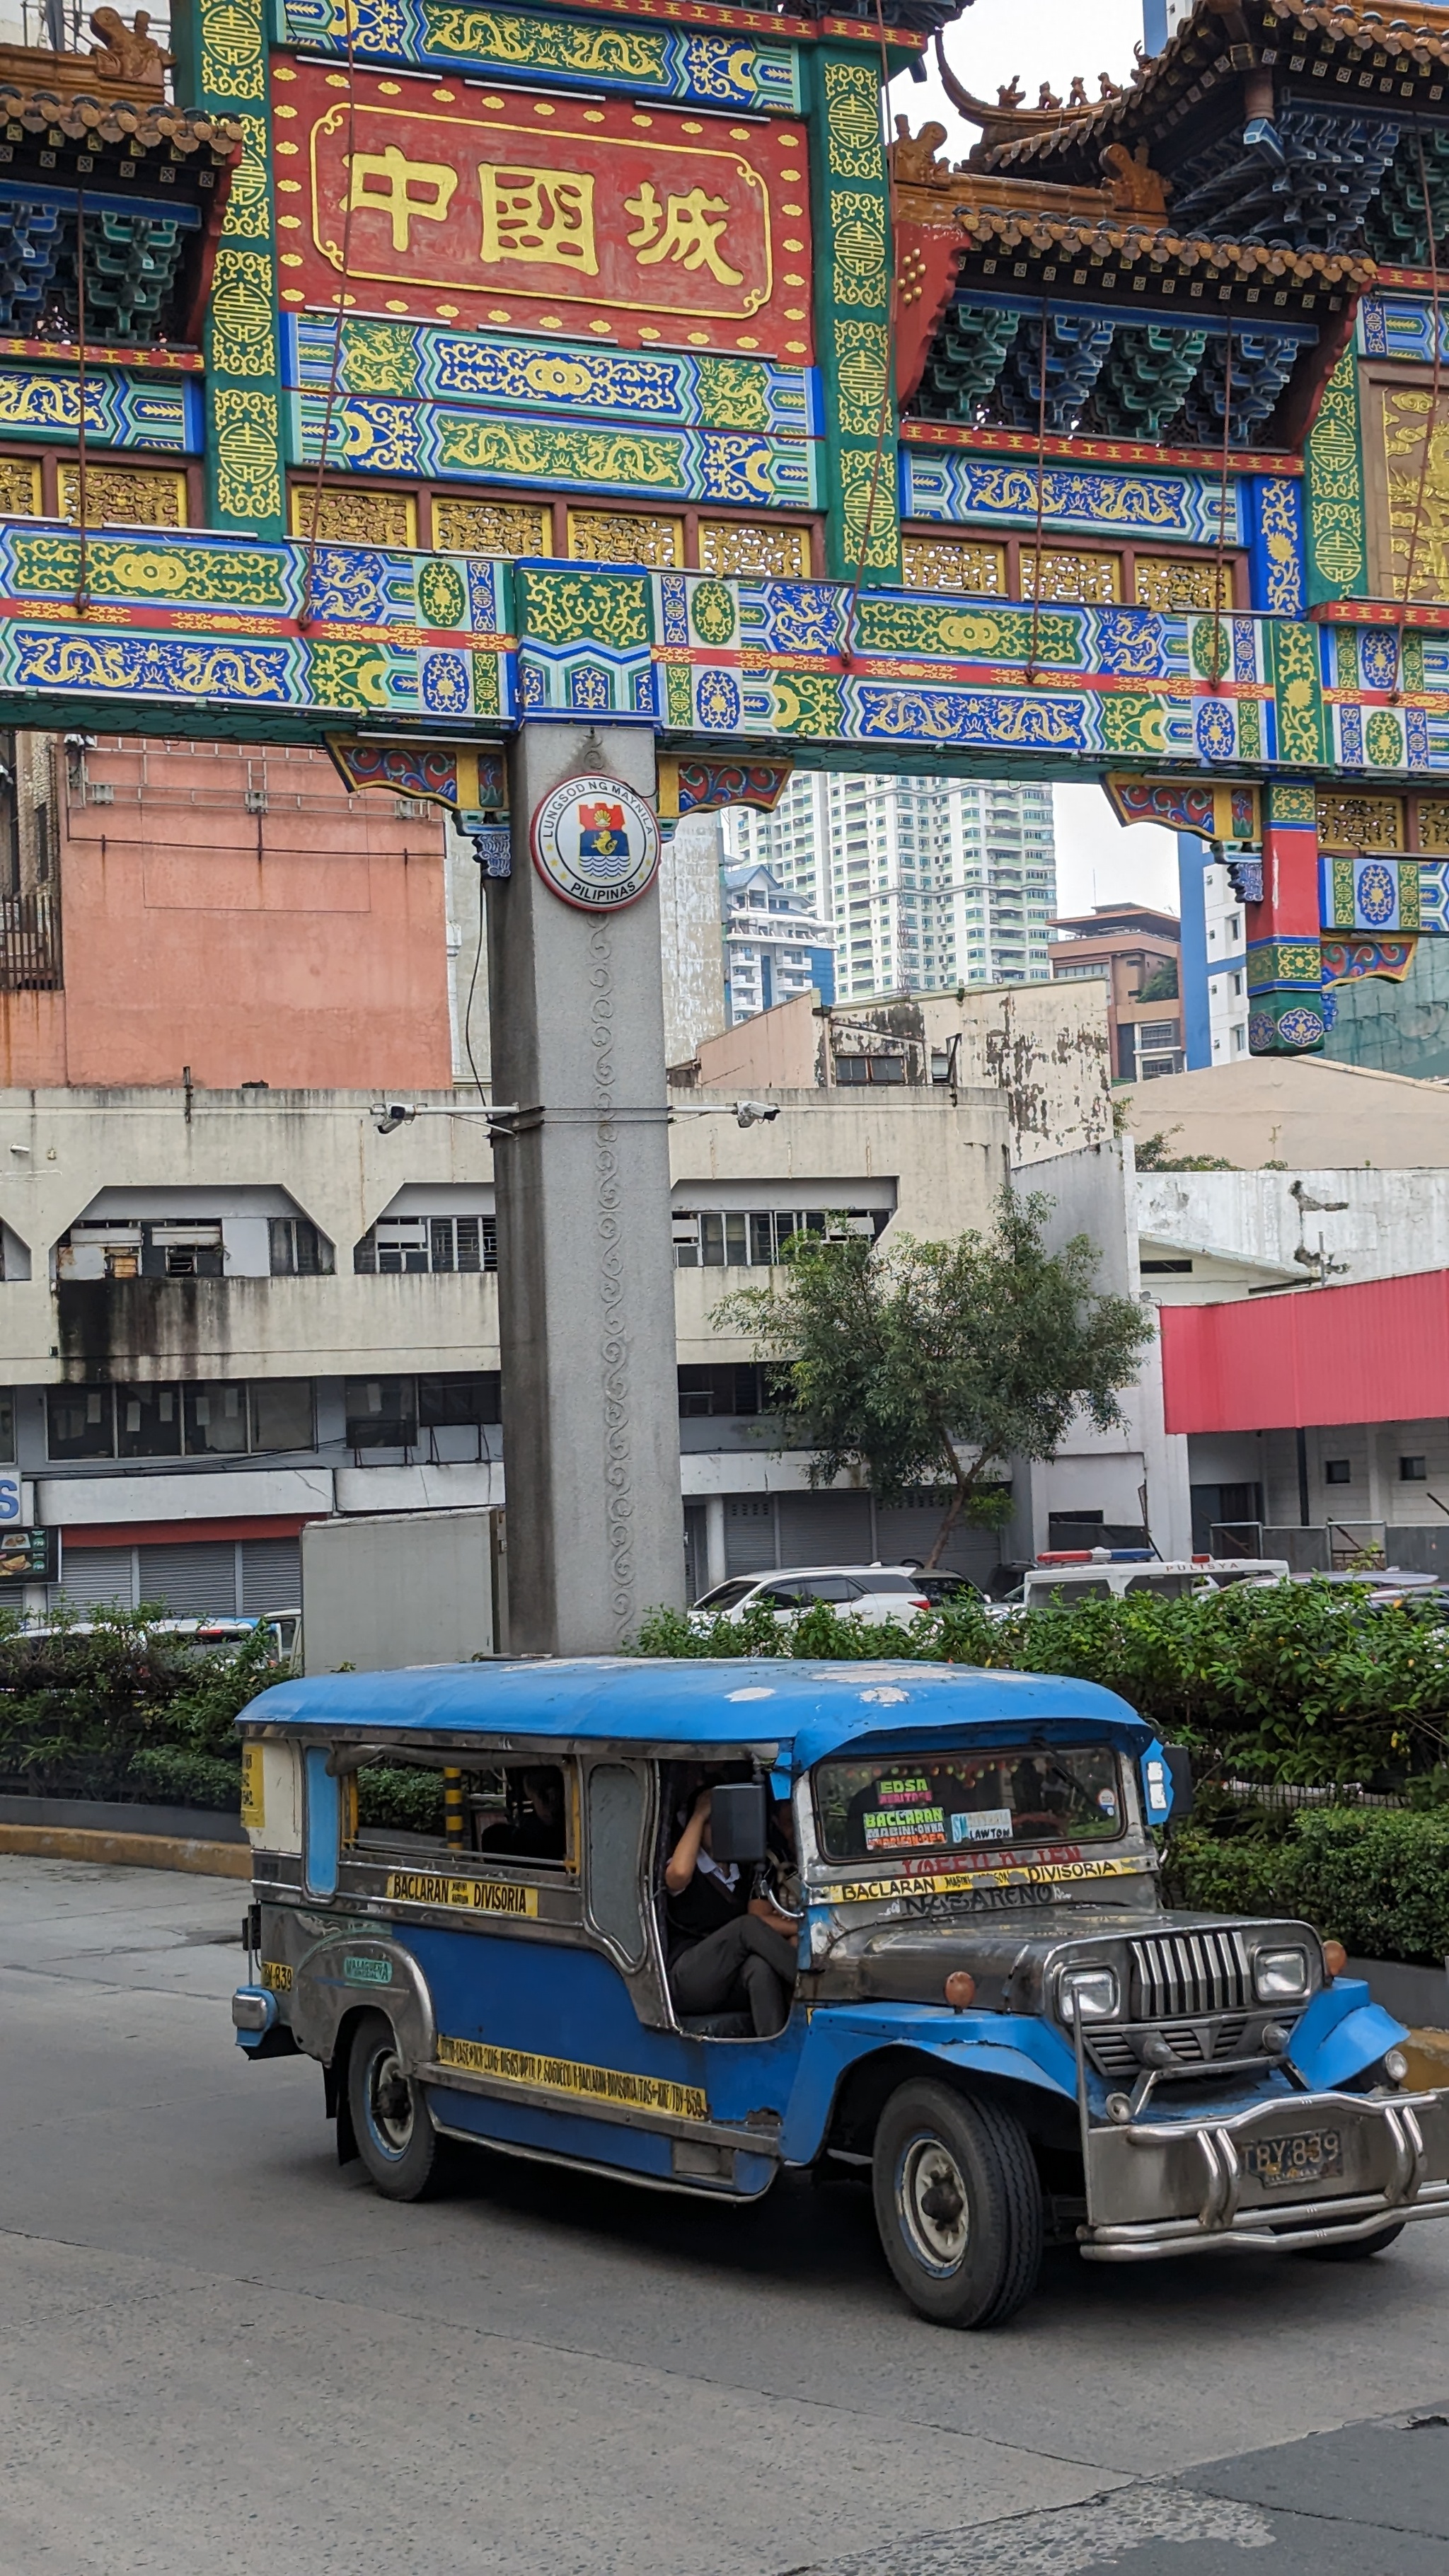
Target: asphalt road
{"points": [[219, 2354]]}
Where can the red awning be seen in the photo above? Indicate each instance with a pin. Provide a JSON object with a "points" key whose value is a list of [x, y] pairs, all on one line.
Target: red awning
{"points": [[1378, 1352]]}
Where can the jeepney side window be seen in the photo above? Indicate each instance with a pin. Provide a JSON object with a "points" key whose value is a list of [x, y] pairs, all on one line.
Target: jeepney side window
{"points": [[488, 1813]]}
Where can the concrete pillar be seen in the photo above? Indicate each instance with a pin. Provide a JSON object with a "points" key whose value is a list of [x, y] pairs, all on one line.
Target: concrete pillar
{"points": [[585, 1276], [716, 1561]]}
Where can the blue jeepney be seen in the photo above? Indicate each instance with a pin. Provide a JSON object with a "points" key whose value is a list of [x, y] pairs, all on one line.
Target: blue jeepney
{"points": [[459, 1911]]}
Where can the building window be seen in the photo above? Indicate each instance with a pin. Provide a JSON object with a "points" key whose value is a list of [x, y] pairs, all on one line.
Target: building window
{"points": [[81, 1421], [1337, 1471], [1413, 1471], [216, 1421], [462, 1401], [725, 1390], [201, 1420], [1155, 1269], [423, 1243], [889, 1067], [298, 1249], [382, 1413], [281, 1414], [148, 1421], [713, 1239]]}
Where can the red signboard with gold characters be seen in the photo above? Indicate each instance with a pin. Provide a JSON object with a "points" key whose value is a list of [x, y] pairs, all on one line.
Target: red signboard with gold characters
{"points": [[488, 207]]}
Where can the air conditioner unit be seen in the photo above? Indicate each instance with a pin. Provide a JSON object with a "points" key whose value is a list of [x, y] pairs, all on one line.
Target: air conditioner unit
{"points": [[99, 791], [256, 800], [410, 809]]}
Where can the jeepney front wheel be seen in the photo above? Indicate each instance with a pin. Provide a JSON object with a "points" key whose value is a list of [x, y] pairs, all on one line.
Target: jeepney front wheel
{"points": [[395, 2137], [958, 2205]]}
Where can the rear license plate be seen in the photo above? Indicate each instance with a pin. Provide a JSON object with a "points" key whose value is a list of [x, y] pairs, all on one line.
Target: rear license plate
{"points": [[1310, 2155]]}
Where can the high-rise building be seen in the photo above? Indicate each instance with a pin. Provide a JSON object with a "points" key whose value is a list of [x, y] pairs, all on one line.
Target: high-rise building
{"points": [[774, 945], [920, 882]]}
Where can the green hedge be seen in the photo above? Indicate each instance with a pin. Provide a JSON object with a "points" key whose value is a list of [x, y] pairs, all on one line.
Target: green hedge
{"points": [[1297, 1682], [119, 1709], [1374, 1878]]}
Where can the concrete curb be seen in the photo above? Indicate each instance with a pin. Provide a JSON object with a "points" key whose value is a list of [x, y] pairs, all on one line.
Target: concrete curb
{"points": [[133, 1851]]}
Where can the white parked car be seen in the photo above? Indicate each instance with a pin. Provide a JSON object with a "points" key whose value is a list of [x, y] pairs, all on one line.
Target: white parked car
{"points": [[1107, 1575], [854, 1591]]}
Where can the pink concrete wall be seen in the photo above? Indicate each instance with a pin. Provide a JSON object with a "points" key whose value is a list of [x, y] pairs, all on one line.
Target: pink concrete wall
{"points": [[303, 945]]}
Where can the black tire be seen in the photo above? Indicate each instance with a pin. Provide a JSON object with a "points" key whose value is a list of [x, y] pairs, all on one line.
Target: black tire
{"points": [[395, 2136], [1360, 2249], [958, 2205]]}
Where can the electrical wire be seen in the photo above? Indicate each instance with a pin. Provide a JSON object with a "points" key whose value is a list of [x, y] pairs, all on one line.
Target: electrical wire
{"points": [[472, 988]]}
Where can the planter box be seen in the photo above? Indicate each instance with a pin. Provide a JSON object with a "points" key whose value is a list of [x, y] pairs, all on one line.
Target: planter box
{"points": [[1417, 1996], [117, 1816]]}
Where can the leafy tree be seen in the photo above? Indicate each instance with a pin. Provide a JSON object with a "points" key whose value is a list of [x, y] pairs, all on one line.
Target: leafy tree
{"points": [[892, 1362], [1154, 1155]]}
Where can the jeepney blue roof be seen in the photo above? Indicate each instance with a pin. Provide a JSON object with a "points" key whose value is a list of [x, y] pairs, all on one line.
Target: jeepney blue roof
{"points": [[806, 1709]]}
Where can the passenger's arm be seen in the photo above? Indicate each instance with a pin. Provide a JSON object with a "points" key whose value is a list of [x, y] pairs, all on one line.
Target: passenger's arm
{"points": [[684, 1858], [770, 1915]]}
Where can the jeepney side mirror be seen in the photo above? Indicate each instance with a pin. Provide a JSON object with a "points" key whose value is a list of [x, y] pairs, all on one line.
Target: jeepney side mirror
{"points": [[1179, 1772], [1165, 1771], [738, 1813]]}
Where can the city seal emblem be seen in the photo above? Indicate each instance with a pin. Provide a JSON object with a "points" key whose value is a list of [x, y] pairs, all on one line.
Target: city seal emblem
{"points": [[596, 842]]}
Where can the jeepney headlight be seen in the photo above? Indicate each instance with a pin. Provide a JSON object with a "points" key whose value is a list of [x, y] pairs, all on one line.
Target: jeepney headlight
{"points": [[1088, 1992], [1280, 1976]]}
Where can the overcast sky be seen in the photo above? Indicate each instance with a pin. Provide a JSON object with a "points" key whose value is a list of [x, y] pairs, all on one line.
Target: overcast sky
{"points": [[1049, 40]]}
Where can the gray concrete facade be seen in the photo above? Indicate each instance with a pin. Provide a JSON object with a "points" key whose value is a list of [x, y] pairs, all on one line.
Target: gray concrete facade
{"points": [[585, 1286]]}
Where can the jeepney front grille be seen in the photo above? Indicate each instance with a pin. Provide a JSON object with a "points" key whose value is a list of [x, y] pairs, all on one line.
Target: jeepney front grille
{"points": [[1116, 2052], [1180, 1976]]}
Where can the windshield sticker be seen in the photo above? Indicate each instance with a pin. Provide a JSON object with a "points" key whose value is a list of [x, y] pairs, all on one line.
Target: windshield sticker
{"points": [[945, 1882], [903, 1828], [903, 1793], [982, 1824], [1106, 1800], [474, 1895], [566, 2075]]}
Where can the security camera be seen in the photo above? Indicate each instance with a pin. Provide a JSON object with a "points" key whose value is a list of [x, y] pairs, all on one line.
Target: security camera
{"points": [[749, 1113], [389, 1115]]}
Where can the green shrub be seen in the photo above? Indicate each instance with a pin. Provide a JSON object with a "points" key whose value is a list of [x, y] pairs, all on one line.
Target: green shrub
{"points": [[1374, 1878], [122, 1709], [411, 1799]]}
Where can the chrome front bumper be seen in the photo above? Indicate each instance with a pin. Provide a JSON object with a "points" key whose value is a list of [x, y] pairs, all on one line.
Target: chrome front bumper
{"points": [[1156, 2188]]}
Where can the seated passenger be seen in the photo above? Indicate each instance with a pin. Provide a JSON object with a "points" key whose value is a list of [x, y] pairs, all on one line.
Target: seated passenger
{"points": [[728, 1951], [535, 1828]]}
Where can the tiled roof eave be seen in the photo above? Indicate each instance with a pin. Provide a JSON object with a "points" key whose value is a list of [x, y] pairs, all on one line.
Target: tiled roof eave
{"points": [[1128, 245], [138, 122]]}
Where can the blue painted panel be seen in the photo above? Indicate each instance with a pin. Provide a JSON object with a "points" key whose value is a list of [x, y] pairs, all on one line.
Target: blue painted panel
{"points": [[1007, 2045], [1193, 857], [1341, 2033], [573, 2004], [600, 2142], [323, 1824]]}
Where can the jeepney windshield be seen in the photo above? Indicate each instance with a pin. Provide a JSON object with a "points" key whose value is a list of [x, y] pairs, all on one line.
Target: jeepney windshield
{"points": [[954, 1802]]}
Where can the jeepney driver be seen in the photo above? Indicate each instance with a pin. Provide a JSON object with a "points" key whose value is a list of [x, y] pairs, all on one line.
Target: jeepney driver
{"points": [[729, 1951]]}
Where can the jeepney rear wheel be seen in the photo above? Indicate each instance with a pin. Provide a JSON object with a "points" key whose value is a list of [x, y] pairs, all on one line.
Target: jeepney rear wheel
{"points": [[395, 2137], [958, 2204]]}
